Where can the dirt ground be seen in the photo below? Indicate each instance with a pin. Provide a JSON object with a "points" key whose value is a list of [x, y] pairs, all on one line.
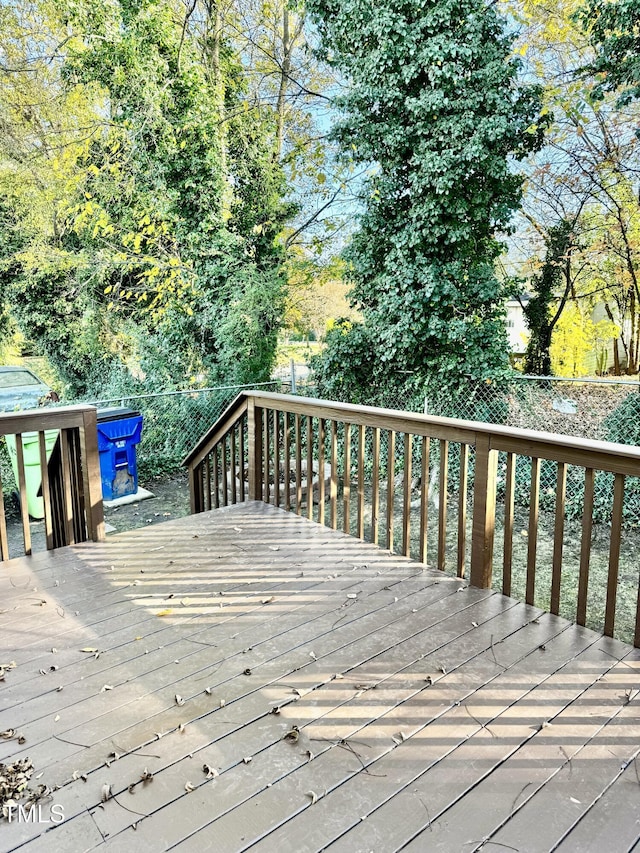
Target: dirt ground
{"points": [[171, 500]]}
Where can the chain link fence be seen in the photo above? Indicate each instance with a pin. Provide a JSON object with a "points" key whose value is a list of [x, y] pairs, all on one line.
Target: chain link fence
{"points": [[173, 421]]}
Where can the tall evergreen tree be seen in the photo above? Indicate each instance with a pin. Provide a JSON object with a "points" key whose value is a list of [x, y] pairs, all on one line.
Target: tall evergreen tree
{"points": [[433, 103]]}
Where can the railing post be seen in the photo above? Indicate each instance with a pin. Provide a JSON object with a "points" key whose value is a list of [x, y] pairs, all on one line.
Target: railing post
{"points": [[91, 475], [254, 420], [484, 512], [196, 492]]}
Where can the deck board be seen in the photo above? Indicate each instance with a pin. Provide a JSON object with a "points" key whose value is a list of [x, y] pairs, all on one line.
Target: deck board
{"points": [[419, 702]]}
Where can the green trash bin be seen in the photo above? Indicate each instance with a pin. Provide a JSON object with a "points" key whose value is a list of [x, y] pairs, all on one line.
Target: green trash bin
{"points": [[32, 474]]}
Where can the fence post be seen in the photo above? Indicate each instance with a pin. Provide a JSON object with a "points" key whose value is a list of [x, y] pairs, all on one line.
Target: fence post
{"points": [[484, 512], [254, 421]]}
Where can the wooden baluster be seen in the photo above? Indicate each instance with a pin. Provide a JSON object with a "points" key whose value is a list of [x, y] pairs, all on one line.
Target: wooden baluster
{"points": [[333, 494], [216, 479], [361, 446], [232, 465], [424, 497], [558, 537], [321, 439], [4, 542], [614, 555], [224, 468], [287, 462], [636, 634], [375, 486], [309, 467], [77, 491], [462, 510], [484, 512], [254, 417], [406, 498], [267, 459], [391, 472], [46, 493], [585, 547], [346, 490], [207, 482], [276, 457], [442, 503], [66, 436], [532, 544], [509, 506], [22, 490], [241, 468], [299, 465]]}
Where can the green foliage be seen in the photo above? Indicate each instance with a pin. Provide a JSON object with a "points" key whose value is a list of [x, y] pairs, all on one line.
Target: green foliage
{"points": [[434, 101], [613, 31], [165, 259]]}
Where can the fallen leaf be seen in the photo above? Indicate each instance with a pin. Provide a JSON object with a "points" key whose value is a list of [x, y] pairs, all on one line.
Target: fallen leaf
{"points": [[181, 727], [9, 733], [399, 737], [314, 797], [274, 547], [164, 612], [293, 735], [89, 651], [178, 699], [247, 759], [351, 595], [106, 687], [189, 787], [268, 600], [210, 772], [573, 800], [105, 793], [56, 718]]}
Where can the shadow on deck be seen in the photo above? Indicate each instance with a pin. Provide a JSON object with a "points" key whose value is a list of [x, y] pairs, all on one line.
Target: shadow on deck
{"points": [[247, 679]]}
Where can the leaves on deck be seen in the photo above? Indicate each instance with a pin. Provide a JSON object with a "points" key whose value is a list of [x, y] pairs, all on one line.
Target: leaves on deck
{"points": [[105, 792], [210, 772], [314, 797], [166, 612], [5, 667], [178, 699]]}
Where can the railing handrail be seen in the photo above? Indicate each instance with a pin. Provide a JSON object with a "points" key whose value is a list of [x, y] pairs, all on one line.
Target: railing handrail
{"points": [[35, 420], [70, 487], [589, 453]]}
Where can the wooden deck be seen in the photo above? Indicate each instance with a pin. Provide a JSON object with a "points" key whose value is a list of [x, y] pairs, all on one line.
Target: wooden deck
{"points": [[284, 687]]}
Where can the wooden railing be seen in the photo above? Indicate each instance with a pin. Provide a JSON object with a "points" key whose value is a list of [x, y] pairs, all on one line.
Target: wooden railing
{"points": [[264, 445], [70, 488]]}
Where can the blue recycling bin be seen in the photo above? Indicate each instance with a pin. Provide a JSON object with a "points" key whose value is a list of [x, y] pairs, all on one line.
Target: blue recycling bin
{"points": [[119, 431]]}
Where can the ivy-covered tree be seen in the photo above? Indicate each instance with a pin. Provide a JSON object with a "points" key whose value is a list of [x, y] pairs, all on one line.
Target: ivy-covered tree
{"points": [[543, 310], [434, 106]]}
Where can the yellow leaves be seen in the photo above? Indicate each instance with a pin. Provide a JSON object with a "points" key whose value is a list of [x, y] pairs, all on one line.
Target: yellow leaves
{"points": [[166, 612]]}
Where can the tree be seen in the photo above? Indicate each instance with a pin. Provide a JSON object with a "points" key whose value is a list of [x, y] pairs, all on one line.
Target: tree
{"points": [[435, 103], [541, 313], [613, 29], [165, 252]]}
